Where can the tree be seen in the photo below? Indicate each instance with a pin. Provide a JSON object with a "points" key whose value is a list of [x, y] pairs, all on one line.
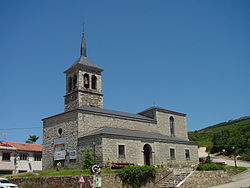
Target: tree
{"points": [[208, 159], [88, 159], [226, 139], [32, 139]]}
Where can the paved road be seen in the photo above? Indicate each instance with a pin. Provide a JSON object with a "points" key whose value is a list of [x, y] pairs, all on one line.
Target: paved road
{"points": [[239, 181], [231, 162]]}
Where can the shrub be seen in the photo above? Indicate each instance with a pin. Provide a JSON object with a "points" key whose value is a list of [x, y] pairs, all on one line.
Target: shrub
{"points": [[245, 156], [137, 176], [208, 159], [209, 167], [88, 159]]}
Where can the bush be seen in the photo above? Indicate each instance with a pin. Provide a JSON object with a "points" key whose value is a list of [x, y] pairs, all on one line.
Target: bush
{"points": [[137, 176], [88, 160], [245, 156], [209, 167], [208, 159]]}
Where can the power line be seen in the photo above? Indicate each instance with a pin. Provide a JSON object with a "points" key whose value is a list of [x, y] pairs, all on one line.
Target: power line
{"points": [[21, 128]]}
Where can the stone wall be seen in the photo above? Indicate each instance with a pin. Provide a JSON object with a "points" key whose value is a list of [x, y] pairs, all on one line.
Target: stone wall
{"points": [[160, 152], [94, 144], [206, 179], [90, 99], [76, 124], [108, 181], [68, 123], [163, 124], [198, 179], [89, 122]]}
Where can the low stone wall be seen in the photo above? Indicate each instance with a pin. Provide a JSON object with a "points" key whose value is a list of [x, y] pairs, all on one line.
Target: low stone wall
{"points": [[108, 181], [198, 179], [207, 179]]}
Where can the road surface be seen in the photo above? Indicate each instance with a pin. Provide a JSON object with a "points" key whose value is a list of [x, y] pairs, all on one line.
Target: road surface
{"points": [[241, 180]]}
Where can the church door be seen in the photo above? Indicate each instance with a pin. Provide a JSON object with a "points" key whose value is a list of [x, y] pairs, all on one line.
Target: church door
{"points": [[147, 150]]}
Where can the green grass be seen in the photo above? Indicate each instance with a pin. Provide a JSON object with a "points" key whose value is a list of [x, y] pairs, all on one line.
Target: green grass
{"points": [[237, 168], [62, 172], [33, 187]]}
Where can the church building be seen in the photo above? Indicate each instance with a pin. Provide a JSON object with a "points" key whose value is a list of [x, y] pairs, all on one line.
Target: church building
{"points": [[155, 136]]}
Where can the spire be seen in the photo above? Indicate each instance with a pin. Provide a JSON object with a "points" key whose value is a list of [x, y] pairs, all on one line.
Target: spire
{"points": [[83, 46]]}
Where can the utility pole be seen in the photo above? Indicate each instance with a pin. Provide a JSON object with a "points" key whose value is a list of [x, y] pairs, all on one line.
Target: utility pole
{"points": [[234, 153]]}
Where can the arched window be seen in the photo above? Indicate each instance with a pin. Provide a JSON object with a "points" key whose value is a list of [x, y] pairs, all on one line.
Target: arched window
{"points": [[171, 122], [86, 80], [93, 82], [69, 84], [74, 81]]}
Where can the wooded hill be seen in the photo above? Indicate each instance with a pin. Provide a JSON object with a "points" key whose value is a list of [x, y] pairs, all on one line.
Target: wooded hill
{"points": [[233, 132]]}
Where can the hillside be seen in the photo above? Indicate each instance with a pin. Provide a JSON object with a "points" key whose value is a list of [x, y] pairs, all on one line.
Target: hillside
{"points": [[204, 136]]}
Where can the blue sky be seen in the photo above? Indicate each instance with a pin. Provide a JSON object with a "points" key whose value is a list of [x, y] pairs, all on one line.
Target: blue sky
{"points": [[187, 56]]}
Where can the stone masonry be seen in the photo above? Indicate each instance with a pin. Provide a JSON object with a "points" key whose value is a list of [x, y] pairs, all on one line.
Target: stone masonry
{"points": [[145, 138]]}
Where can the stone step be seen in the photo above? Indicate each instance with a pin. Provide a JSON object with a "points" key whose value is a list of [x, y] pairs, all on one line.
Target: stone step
{"points": [[173, 180]]}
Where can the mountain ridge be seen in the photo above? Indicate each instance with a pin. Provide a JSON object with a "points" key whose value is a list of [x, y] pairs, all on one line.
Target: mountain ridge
{"points": [[204, 136]]}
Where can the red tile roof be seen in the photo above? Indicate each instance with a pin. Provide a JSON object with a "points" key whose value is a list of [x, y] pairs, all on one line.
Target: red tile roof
{"points": [[22, 146]]}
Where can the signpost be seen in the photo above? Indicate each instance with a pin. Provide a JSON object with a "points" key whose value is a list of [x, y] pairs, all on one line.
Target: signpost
{"points": [[81, 180], [98, 181]]}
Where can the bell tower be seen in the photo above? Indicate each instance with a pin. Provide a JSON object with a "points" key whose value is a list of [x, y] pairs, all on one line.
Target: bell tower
{"points": [[83, 82]]}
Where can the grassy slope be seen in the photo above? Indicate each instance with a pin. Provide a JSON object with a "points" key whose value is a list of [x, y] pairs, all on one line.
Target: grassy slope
{"points": [[203, 137]]}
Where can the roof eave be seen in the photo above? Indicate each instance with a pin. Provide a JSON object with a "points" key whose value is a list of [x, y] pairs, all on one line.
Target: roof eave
{"points": [[136, 137], [78, 65], [163, 110]]}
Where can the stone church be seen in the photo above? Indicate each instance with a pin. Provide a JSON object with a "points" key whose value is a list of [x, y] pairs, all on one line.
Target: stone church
{"points": [[155, 136]]}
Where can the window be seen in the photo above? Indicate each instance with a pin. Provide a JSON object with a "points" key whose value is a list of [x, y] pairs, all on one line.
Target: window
{"points": [[172, 131], [37, 157], [60, 131], [172, 153], [86, 80], [6, 156], [93, 82], [23, 156], [121, 151], [74, 81], [69, 84], [187, 154]]}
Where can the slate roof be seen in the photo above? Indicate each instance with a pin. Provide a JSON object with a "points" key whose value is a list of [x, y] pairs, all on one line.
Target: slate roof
{"points": [[139, 134], [115, 113], [162, 110], [87, 62], [22, 146], [139, 116], [83, 60]]}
